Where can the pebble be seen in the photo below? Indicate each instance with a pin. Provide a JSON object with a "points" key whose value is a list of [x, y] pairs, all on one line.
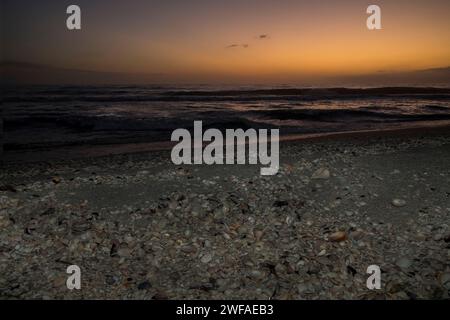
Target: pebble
{"points": [[258, 235], [305, 288], [4, 222], [404, 263], [398, 203], [338, 236], [445, 280], [206, 258], [144, 285], [111, 280], [321, 173], [60, 282], [447, 238], [56, 180], [124, 252], [257, 274], [357, 235]]}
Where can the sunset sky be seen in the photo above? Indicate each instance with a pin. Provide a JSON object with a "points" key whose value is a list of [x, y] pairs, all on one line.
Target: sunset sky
{"points": [[245, 39]]}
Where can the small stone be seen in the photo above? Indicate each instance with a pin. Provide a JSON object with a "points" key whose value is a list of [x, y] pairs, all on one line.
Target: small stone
{"points": [[111, 280], [289, 220], [404, 263], [258, 235], [444, 279], [144, 285], [447, 238], [280, 269], [280, 203], [56, 180], [160, 296], [4, 222], [124, 252], [243, 230], [421, 237], [357, 235], [338, 236], [305, 288], [256, 274], [59, 282], [398, 203], [206, 258], [321, 173], [189, 249], [437, 237]]}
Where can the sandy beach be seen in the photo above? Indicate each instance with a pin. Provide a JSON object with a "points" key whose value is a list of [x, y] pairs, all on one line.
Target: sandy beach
{"points": [[140, 227]]}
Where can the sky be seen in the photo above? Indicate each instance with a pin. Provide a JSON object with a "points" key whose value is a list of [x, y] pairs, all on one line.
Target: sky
{"points": [[245, 40]]}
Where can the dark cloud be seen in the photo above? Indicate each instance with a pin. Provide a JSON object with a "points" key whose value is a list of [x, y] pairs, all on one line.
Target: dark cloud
{"points": [[245, 46]]}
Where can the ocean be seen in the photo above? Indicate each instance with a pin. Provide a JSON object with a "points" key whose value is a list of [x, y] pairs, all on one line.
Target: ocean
{"points": [[50, 117]]}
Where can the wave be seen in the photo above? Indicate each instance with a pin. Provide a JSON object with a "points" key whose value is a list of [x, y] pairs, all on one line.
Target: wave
{"points": [[321, 92], [437, 108], [86, 115], [147, 94], [353, 115]]}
